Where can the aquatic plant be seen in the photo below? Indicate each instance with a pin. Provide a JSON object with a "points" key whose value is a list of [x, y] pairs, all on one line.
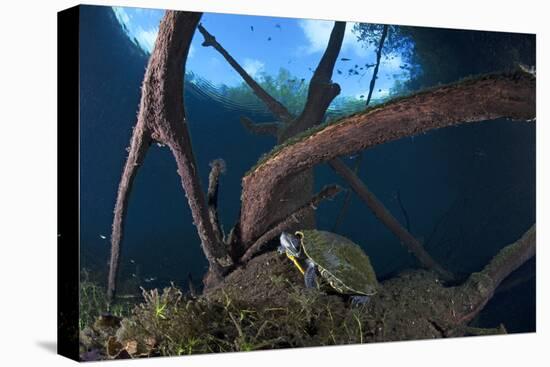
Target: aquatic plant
{"points": [[278, 312]]}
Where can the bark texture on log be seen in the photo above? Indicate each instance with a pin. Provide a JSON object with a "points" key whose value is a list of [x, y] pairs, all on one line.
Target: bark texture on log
{"points": [[509, 95]]}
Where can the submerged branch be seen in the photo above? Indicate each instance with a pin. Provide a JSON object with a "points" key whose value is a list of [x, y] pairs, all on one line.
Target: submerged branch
{"points": [[265, 128], [384, 215], [327, 193], [161, 117], [480, 287], [488, 97], [217, 168], [272, 104]]}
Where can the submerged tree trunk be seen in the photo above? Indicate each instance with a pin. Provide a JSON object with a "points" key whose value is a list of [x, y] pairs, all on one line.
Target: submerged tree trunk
{"points": [[161, 117]]}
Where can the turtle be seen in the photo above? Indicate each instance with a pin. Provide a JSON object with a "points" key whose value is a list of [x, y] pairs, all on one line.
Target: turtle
{"points": [[338, 260]]}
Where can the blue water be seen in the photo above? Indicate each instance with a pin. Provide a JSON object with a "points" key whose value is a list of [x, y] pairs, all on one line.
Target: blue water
{"points": [[477, 181]]}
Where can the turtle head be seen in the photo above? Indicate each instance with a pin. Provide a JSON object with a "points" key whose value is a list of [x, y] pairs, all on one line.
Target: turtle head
{"points": [[290, 244]]}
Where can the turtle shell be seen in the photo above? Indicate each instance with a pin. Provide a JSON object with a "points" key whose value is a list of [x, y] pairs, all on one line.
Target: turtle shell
{"points": [[340, 261]]}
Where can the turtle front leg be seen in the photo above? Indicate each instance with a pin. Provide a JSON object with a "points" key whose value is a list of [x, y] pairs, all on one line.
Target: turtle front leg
{"points": [[310, 276]]}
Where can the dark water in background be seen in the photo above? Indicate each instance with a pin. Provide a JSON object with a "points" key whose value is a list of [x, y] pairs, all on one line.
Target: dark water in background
{"points": [[476, 181]]}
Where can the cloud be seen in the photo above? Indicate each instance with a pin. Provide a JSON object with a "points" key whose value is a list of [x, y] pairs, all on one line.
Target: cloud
{"points": [[317, 33], [146, 38], [121, 15], [253, 67]]}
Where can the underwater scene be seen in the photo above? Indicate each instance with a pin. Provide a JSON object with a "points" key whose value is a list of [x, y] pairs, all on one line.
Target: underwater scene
{"points": [[252, 183]]}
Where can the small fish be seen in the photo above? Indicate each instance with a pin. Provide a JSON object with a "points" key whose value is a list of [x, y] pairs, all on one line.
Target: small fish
{"points": [[102, 237], [480, 153], [353, 156], [149, 280], [132, 261], [269, 38], [344, 59], [361, 96], [356, 66], [160, 145], [252, 28], [134, 275], [339, 71], [278, 26]]}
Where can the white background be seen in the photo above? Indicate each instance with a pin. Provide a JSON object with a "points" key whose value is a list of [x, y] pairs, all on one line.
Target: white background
{"points": [[28, 182]]}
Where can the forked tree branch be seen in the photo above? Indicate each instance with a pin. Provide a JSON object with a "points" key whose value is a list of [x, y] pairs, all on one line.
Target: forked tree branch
{"points": [[505, 95], [161, 117], [384, 215]]}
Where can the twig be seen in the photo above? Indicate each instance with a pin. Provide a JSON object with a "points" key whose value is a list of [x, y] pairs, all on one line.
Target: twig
{"points": [[326, 193], [217, 168], [378, 58], [274, 106], [383, 214], [322, 90], [404, 211], [266, 128]]}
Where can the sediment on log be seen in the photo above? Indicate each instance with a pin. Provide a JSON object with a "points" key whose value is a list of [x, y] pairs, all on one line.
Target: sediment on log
{"points": [[504, 95]]}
